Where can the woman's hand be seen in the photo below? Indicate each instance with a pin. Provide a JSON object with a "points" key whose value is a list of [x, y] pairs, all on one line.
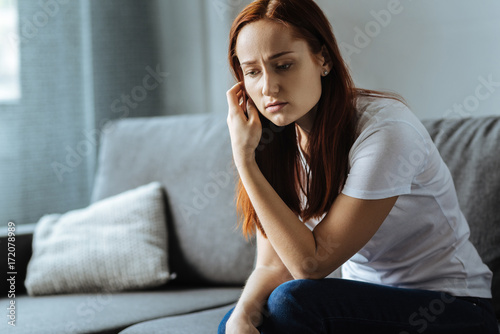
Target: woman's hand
{"points": [[245, 131], [240, 324]]}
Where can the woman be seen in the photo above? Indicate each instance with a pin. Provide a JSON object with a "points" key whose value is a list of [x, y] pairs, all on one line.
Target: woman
{"points": [[333, 175]]}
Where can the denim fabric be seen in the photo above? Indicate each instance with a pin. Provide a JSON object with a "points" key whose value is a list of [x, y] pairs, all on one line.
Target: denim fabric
{"points": [[344, 306]]}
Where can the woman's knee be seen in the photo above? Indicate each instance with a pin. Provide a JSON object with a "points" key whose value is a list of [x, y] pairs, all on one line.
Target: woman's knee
{"points": [[289, 308], [289, 297]]}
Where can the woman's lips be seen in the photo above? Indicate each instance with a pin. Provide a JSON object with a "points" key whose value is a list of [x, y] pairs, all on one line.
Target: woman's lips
{"points": [[276, 107]]}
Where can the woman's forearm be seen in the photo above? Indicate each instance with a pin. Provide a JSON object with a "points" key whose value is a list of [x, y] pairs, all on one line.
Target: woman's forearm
{"points": [[259, 286], [291, 239]]}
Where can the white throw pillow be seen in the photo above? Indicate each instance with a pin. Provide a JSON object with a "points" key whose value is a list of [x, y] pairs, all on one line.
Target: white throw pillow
{"points": [[116, 244]]}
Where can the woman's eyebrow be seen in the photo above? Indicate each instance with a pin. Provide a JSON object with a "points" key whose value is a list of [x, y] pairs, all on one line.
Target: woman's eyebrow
{"points": [[277, 55]]}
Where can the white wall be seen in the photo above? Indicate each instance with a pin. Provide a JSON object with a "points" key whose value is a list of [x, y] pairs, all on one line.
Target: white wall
{"points": [[435, 53]]}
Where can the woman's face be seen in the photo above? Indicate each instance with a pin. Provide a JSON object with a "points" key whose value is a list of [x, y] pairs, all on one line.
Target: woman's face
{"points": [[281, 75]]}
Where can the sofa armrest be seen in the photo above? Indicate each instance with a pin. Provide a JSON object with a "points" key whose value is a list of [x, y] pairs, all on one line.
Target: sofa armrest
{"points": [[22, 244]]}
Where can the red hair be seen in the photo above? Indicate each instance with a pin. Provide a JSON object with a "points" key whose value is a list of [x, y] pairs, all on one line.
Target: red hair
{"points": [[334, 128]]}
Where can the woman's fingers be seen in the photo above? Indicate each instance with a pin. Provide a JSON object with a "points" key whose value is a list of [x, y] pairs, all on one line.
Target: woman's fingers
{"points": [[252, 110], [232, 96], [241, 100], [236, 100]]}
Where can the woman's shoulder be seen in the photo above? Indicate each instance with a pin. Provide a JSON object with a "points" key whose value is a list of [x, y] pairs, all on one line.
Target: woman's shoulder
{"points": [[381, 111]]}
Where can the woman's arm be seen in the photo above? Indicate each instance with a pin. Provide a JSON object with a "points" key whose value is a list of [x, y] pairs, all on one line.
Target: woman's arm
{"points": [[347, 227], [269, 272]]}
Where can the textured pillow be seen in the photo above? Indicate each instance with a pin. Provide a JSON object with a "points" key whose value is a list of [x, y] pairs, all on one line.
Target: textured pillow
{"points": [[192, 155], [116, 244]]}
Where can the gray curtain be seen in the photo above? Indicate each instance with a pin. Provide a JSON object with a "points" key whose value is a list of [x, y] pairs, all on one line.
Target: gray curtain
{"points": [[89, 61]]}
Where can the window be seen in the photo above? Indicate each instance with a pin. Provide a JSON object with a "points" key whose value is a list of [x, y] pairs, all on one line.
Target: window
{"points": [[9, 51]]}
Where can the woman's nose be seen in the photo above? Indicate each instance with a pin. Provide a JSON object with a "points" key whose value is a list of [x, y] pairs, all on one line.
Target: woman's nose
{"points": [[270, 85]]}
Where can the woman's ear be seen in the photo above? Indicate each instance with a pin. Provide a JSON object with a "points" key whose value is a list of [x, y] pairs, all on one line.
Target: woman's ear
{"points": [[325, 59]]}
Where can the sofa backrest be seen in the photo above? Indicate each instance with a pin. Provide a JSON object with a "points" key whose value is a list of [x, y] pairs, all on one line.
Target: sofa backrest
{"points": [[471, 149], [190, 155]]}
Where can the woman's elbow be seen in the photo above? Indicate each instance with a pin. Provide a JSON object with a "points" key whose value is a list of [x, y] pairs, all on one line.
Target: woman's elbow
{"points": [[310, 273]]}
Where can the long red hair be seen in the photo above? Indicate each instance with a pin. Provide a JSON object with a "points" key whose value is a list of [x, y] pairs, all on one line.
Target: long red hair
{"points": [[334, 128]]}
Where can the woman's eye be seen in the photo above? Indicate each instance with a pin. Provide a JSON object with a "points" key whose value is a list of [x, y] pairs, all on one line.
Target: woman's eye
{"points": [[284, 67], [251, 73]]}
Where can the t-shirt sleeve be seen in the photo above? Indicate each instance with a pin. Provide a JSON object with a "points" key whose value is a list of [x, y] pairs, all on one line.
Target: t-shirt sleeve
{"points": [[385, 160]]}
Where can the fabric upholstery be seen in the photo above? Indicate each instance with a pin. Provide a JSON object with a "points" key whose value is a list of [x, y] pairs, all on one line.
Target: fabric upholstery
{"points": [[191, 156], [205, 322], [470, 148], [117, 244], [110, 313]]}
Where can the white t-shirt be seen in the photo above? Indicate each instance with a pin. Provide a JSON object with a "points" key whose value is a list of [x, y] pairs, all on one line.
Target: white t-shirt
{"points": [[424, 241]]}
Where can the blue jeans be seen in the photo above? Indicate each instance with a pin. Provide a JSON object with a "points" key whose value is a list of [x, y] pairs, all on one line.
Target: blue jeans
{"points": [[333, 305]]}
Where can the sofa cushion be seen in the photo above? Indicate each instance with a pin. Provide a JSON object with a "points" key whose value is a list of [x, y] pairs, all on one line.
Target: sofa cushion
{"points": [[470, 147], [119, 243], [191, 156], [110, 313], [204, 322]]}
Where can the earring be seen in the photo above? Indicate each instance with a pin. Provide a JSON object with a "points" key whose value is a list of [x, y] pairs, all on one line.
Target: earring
{"points": [[325, 73]]}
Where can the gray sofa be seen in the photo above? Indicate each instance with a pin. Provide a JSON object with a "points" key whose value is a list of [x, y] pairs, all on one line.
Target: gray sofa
{"points": [[191, 156]]}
